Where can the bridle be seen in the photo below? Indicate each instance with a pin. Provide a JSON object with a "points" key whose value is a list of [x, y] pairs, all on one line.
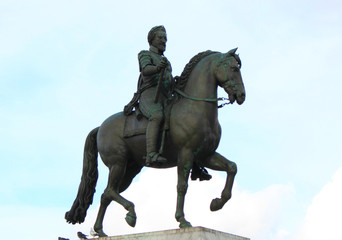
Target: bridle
{"points": [[212, 100], [203, 99]]}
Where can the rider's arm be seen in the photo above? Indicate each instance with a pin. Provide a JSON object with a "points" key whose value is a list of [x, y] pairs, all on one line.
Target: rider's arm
{"points": [[150, 70], [147, 67]]}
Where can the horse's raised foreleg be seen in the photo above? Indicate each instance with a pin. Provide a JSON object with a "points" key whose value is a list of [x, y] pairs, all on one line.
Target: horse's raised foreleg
{"points": [[185, 161], [220, 163], [116, 175]]}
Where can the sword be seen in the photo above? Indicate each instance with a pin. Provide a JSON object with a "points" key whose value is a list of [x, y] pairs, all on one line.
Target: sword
{"points": [[159, 85]]}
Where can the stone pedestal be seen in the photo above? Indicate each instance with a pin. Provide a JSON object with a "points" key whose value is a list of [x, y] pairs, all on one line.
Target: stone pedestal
{"points": [[193, 233]]}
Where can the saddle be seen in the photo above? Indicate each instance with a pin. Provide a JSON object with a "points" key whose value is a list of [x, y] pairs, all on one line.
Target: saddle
{"points": [[136, 123]]}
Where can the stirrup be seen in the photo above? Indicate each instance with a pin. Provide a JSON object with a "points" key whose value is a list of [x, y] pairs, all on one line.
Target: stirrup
{"points": [[154, 158]]}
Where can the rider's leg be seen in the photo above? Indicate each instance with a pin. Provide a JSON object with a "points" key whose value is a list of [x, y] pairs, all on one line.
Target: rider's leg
{"points": [[152, 133], [155, 113]]}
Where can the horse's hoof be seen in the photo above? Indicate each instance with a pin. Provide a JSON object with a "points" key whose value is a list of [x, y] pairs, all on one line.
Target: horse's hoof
{"points": [[131, 219], [216, 204], [99, 233], [185, 224]]}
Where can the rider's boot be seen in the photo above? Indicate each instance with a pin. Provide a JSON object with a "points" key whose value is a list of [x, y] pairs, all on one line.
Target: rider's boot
{"points": [[154, 158], [199, 172], [152, 131]]}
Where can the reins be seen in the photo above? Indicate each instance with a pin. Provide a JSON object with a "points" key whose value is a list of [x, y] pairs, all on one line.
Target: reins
{"points": [[203, 99]]}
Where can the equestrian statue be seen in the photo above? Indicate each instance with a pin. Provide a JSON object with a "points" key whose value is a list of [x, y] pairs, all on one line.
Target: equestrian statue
{"points": [[170, 122]]}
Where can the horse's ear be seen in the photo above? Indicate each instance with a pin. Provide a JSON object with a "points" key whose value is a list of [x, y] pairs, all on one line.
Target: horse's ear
{"points": [[232, 52]]}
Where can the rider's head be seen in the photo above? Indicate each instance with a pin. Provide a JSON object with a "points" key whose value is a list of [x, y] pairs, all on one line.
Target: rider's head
{"points": [[157, 38]]}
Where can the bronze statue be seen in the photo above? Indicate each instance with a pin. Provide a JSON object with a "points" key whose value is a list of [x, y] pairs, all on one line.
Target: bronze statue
{"points": [[190, 132]]}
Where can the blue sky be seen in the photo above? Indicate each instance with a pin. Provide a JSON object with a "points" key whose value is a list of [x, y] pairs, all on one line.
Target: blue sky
{"points": [[66, 66]]}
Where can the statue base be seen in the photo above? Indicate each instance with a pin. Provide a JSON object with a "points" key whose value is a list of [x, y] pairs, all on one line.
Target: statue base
{"points": [[198, 233]]}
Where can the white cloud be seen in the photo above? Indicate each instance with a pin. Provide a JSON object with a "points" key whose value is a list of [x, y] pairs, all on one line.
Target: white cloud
{"points": [[255, 215], [323, 218]]}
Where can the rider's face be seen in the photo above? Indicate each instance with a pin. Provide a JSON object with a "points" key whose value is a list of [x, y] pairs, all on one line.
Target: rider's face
{"points": [[159, 41]]}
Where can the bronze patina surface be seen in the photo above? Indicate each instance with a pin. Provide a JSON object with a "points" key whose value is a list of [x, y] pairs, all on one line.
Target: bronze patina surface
{"points": [[192, 138]]}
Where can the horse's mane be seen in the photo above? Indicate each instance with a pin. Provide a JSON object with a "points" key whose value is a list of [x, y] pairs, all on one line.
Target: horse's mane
{"points": [[182, 80]]}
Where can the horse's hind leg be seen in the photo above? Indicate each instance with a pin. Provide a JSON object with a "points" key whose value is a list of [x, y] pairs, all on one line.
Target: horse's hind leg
{"points": [[220, 163], [98, 226], [111, 193]]}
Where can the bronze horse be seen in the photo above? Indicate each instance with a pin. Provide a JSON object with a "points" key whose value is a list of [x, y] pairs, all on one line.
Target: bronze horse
{"points": [[194, 135]]}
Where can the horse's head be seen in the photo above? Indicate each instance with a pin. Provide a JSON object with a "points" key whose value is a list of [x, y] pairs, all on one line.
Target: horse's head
{"points": [[228, 76]]}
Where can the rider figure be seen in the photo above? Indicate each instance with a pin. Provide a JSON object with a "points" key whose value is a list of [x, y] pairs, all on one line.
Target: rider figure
{"points": [[152, 64], [154, 67]]}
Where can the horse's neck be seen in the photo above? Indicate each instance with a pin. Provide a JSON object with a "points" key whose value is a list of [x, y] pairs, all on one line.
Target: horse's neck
{"points": [[201, 83]]}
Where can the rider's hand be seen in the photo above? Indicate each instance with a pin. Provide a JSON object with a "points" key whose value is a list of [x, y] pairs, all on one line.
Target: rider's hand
{"points": [[162, 64]]}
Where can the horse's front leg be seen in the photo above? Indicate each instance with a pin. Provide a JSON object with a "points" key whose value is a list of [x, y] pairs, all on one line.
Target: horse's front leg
{"points": [[185, 161], [220, 163]]}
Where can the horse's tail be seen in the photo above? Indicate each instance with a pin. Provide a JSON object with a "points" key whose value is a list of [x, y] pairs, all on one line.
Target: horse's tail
{"points": [[87, 186]]}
